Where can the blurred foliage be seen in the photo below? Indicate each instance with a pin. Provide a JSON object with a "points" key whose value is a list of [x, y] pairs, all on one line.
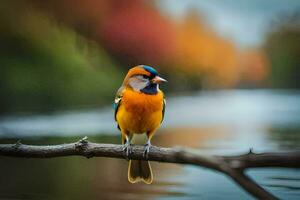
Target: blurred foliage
{"points": [[283, 49], [133, 32], [255, 68], [202, 55], [64, 54], [136, 32], [45, 65]]}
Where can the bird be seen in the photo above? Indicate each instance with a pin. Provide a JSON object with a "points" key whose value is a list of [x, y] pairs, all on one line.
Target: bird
{"points": [[139, 111]]}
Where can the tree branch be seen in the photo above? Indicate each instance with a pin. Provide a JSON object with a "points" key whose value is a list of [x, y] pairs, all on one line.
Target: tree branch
{"points": [[233, 166]]}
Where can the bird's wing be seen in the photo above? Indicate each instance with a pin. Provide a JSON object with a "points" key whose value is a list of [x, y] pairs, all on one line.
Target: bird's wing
{"points": [[117, 102], [163, 110]]}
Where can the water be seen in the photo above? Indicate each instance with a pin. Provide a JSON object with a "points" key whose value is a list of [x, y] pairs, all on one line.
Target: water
{"points": [[220, 122]]}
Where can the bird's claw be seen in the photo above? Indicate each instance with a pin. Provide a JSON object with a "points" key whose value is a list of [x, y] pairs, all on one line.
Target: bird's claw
{"points": [[147, 150], [127, 150]]}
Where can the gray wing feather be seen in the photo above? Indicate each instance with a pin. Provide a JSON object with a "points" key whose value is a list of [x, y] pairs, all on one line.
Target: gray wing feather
{"points": [[117, 102]]}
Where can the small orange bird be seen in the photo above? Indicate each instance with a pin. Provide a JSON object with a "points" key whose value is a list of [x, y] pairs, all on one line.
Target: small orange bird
{"points": [[139, 110]]}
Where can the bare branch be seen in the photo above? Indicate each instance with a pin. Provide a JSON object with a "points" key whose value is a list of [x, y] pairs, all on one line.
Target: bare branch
{"points": [[233, 166]]}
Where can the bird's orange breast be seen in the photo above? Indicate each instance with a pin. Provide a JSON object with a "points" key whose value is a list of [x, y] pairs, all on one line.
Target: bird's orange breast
{"points": [[139, 112]]}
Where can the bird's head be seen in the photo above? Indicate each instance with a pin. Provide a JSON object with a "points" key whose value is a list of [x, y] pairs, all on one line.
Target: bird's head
{"points": [[143, 79]]}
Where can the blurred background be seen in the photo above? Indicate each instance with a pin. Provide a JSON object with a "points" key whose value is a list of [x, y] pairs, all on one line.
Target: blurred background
{"points": [[234, 77]]}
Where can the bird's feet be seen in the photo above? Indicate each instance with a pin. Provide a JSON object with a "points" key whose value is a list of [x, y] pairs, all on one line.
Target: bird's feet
{"points": [[127, 149], [147, 149]]}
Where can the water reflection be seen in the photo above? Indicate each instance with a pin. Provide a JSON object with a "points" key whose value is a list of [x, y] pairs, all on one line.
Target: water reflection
{"points": [[285, 137], [214, 123], [246, 110]]}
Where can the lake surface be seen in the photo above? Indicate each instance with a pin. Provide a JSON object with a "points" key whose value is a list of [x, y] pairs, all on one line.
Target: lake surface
{"points": [[218, 122]]}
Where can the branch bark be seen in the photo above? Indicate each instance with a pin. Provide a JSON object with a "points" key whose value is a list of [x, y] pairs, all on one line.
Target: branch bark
{"points": [[232, 166]]}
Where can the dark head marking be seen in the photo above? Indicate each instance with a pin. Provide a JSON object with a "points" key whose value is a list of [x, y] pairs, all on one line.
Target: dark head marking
{"points": [[151, 70], [150, 89]]}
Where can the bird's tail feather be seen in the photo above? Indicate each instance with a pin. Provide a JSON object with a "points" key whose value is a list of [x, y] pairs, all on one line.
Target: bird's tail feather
{"points": [[139, 170]]}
